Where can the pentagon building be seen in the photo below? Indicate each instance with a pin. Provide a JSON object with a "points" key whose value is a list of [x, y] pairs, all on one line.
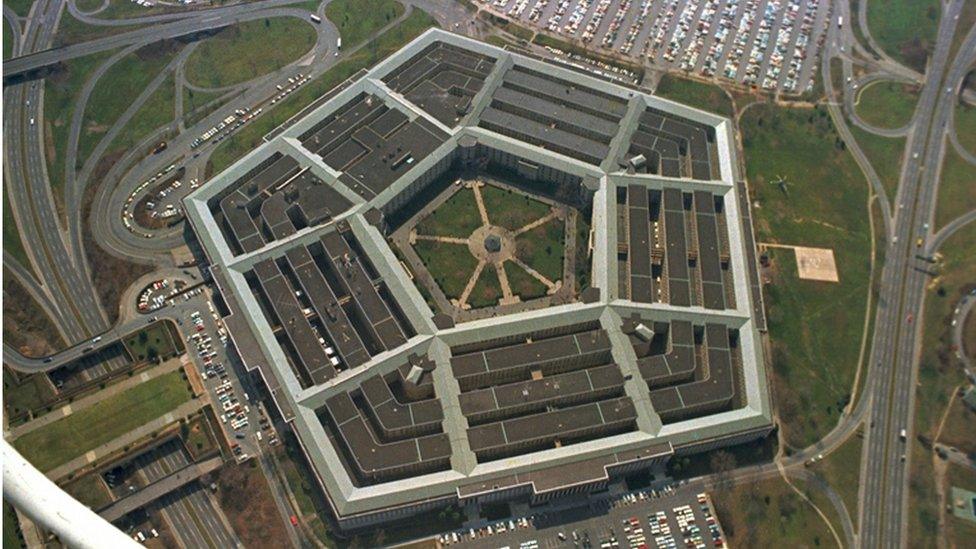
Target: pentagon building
{"points": [[399, 409]]}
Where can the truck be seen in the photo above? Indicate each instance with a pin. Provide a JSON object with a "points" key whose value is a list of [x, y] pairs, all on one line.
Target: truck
{"points": [[339, 43], [840, 21]]}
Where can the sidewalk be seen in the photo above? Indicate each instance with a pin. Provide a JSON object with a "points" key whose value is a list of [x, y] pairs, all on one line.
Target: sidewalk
{"points": [[84, 402], [131, 437]]}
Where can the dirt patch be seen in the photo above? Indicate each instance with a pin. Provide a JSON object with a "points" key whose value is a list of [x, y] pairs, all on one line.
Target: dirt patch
{"points": [[26, 326], [816, 264], [246, 499]]}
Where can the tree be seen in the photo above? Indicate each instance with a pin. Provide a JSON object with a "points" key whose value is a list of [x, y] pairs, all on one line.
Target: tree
{"points": [[721, 463]]}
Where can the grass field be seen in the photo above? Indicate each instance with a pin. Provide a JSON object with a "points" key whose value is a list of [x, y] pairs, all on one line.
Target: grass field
{"points": [[60, 93], [152, 342], [198, 437], [12, 242], [90, 490], [885, 154], [158, 111], [583, 260], [542, 248], [20, 7], [958, 428], [510, 209], [887, 104], [496, 40], [451, 265], [68, 438], [8, 41], [815, 327], [706, 97], [88, 5], [768, 513], [938, 378], [117, 89], [30, 392], [905, 29], [957, 191], [250, 135], [197, 105], [487, 290], [965, 122], [74, 31], [522, 283], [357, 19], [241, 52], [840, 469], [458, 216]]}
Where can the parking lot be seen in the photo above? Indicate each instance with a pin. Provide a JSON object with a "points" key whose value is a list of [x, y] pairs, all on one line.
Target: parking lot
{"points": [[663, 518], [241, 417], [772, 44]]}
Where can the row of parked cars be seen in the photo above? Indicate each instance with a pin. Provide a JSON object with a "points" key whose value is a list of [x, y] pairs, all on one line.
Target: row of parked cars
{"points": [[764, 48], [484, 531]]}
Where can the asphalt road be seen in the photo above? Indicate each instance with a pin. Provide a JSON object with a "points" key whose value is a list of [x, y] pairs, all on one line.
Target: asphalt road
{"points": [[180, 25], [194, 518], [894, 364], [31, 196]]}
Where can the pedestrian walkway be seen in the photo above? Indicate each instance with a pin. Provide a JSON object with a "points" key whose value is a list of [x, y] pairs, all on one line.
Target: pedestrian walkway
{"points": [[160, 488], [184, 410], [82, 403]]}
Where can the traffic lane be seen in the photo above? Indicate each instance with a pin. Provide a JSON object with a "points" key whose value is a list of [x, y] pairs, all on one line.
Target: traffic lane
{"points": [[34, 175], [64, 275], [189, 506], [200, 504], [182, 523], [174, 511], [917, 279], [25, 186], [914, 284], [20, 197], [150, 33]]}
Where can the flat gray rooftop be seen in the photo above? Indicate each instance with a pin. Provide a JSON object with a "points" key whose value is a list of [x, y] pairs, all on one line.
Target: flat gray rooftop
{"points": [[396, 411], [272, 202], [555, 114], [689, 369], [372, 144], [325, 299], [389, 426], [674, 248], [673, 147], [442, 80]]}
